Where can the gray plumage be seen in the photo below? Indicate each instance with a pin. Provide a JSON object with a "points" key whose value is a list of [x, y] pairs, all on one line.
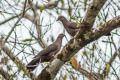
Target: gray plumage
{"points": [[71, 27], [47, 54]]}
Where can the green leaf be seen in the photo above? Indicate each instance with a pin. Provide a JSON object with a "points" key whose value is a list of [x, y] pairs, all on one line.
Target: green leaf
{"points": [[65, 77], [99, 17], [62, 1], [18, 24], [75, 3], [97, 60], [17, 63], [85, 4], [93, 47], [70, 11], [27, 40], [13, 75], [107, 68], [9, 68], [73, 18], [52, 38], [25, 72], [78, 24], [85, 53], [101, 23], [42, 8], [19, 69]]}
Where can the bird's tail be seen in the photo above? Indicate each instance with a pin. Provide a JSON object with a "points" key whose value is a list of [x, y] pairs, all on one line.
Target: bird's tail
{"points": [[33, 64]]}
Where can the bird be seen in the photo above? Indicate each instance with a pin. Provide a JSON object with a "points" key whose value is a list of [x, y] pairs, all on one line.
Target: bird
{"points": [[47, 54], [72, 27]]}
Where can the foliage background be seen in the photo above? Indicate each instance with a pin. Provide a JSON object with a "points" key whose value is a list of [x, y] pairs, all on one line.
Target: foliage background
{"points": [[40, 23]]}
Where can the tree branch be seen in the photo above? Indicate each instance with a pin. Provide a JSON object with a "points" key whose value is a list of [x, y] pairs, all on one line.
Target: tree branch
{"points": [[14, 58], [74, 45], [105, 72], [101, 76], [49, 5], [90, 17], [93, 10], [5, 74]]}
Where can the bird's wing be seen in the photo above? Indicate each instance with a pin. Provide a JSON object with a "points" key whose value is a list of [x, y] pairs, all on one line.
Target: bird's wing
{"points": [[34, 63], [48, 50], [73, 25]]}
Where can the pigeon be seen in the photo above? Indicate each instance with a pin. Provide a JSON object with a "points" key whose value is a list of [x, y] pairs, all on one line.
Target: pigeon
{"points": [[47, 54], [72, 27]]}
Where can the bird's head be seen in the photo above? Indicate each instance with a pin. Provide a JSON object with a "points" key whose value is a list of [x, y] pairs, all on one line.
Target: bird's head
{"points": [[61, 35], [61, 18]]}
